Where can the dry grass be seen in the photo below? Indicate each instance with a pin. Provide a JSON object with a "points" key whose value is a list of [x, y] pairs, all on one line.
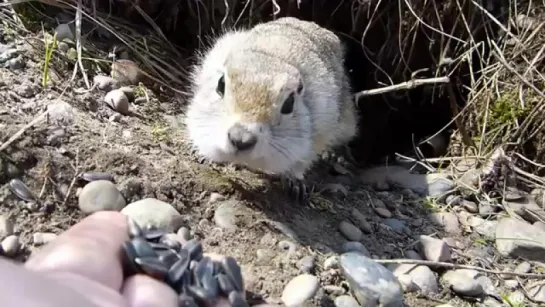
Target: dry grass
{"points": [[493, 59]]}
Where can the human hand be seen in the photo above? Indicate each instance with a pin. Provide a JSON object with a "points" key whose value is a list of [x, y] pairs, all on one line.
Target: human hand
{"points": [[83, 266]]}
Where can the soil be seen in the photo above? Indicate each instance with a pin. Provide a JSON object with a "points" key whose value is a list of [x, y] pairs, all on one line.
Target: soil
{"points": [[150, 157]]}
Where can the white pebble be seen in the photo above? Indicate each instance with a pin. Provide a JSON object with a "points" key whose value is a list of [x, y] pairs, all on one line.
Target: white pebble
{"points": [[6, 227], [105, 83], [118, 101], [300, 289]]}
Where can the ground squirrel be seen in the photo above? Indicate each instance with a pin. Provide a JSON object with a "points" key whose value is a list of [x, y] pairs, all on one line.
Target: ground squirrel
{"points": [[273, 98]]}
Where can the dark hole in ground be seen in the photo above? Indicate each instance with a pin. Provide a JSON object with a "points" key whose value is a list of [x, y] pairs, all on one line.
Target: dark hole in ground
{"points": [[394, 49]]}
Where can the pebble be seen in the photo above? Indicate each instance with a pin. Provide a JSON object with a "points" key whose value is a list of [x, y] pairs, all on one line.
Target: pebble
{"points": [[523, 267], [100, 195], [40, 238], [515, 238], [397, 225], [448, 220], [485, 228], [412, 254], [486, 210], [264, 256], [15, 63], [228, 214], [334, 290], [62, 46], [215, 197], [425, 279], [118, 101], [346, 301], [371, 282], [461, 282], [350, 231], [406, 282], [63, 32], [537, 293], [516, 298], [6, 226], [383, 212], [331, 263], [434, 249], [184, 234], [105, 83], [307, 264], [11, 245], [355, 246], [361, 221], [470, 206], [151, 211], [300, 289]]}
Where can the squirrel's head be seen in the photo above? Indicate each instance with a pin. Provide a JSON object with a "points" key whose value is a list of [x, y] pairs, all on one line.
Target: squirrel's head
{"points": [[254, 115]]}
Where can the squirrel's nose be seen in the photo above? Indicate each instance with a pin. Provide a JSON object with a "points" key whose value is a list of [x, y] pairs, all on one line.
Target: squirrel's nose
{"points": [[241, 138]]}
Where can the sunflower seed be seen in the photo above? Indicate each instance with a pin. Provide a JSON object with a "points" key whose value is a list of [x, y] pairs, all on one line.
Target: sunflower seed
{"points": [[170, 242], [225, 283], [194, 248], [129, 256], [201, 294], [232, 269], [177, 270], [152, 267], [185, 300], [94, 176], [158, 246], [153, 234], [20, 190], [143, 248], [134, 229], [210, 283], [237, 300], [168, 257]]}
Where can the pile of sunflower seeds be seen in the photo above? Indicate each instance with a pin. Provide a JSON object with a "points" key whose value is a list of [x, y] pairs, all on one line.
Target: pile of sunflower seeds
{"points": [[198, 280]]}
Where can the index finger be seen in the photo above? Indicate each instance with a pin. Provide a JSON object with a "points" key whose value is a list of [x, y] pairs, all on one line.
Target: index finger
{"points": [[91, 248]]}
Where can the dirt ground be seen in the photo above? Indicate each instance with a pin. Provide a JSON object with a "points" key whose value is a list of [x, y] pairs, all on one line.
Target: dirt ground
{"points": [[149, 157]]}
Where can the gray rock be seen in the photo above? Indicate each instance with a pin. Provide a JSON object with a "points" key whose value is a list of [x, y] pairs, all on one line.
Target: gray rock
{"points": [[300, 289], [462, 282], [64, 31], [515, 238], [397, 225], [346, 301], [184, 234], [151, 211], [307, 264], [424, 278], [11, 245], [371, 283], [361, 221], [105, 83], [383, 212], [118, 101], [486, 210], [406, 282], [40, 238], [470, 206], [264, 256], [511, 284], [354, 246], [15, 63], [412, 254], [434, 249], [6, 227], [483, 227], [350, 231], [523, 267], [100, 195], [9, 54], [447, 220], [334, 290], [228, 214]]}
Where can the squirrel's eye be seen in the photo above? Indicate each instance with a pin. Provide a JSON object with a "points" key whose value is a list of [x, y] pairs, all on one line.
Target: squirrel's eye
{"points": [[287, 107], [221, 86]]}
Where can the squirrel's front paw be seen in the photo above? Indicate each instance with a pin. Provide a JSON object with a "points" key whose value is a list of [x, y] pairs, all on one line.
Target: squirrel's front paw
{"points": [[296, 189]]}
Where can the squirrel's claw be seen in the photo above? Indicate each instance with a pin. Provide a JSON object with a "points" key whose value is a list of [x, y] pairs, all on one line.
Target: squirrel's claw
{"points": [[296, 189]]}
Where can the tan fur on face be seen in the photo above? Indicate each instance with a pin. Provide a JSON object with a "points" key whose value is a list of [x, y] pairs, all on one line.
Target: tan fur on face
{"points": [[249, 100]]}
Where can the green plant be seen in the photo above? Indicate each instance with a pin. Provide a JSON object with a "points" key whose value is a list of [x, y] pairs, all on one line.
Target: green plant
{"points": [[49, 48]]}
